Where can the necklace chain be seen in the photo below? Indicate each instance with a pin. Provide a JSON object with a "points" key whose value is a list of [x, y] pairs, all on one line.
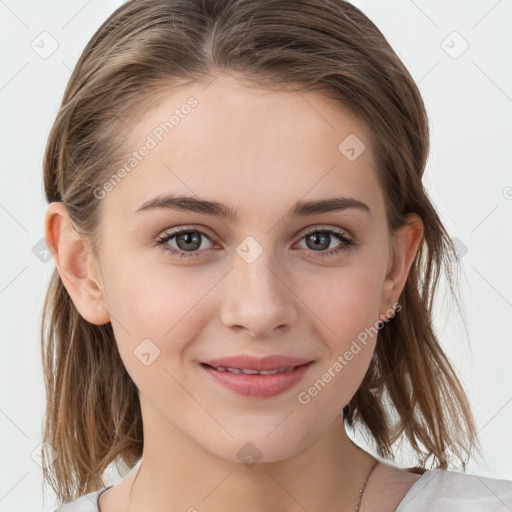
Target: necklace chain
{"points": [[363, 485]]}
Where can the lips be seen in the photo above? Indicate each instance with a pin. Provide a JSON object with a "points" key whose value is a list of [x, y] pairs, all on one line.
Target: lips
{"points": [[257, 377]]}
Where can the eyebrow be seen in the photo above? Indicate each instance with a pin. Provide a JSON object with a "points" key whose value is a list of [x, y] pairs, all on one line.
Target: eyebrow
{"points": [[214, 208]]}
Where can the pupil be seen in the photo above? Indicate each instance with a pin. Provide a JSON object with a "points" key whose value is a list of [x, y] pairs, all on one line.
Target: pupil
{"points": [[318, 243], [192, 238]]}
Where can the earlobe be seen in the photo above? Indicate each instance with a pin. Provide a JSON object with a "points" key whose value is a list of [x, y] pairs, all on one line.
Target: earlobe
{"points": [[75, 263], [406, 242]]}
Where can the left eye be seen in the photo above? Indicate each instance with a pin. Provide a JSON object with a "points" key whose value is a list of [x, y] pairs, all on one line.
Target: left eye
{"points": [[321, 237], [188, 242]]}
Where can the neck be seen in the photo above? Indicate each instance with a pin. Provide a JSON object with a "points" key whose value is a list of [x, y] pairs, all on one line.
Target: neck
{"points": [[176, 473]]}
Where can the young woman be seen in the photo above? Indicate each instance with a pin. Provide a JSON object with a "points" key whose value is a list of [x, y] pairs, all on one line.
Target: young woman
{"points": [[246, 262]]}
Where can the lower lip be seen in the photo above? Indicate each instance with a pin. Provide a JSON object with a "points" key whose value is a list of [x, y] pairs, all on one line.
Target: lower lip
{"points": [[258, 386]]}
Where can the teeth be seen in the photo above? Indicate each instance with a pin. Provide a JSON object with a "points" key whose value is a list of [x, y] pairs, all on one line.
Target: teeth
{"points": [[272, 372], [248, 371]]}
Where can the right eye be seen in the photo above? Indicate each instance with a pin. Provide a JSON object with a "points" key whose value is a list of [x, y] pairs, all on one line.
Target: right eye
{"points": [[189, 239]]}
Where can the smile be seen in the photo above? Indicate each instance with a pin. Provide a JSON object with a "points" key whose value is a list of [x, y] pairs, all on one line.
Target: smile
{"points": [[247, 371], [256, 383]]}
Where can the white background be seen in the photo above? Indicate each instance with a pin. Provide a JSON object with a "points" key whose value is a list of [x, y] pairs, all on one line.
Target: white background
{"points": [[469, 178]]}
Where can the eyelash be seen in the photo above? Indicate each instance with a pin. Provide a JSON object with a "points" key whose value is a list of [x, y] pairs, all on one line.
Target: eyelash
{"points": [[346, 243]]}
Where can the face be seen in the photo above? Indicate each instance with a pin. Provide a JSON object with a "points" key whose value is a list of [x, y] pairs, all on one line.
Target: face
{"points": [[271, 279]]}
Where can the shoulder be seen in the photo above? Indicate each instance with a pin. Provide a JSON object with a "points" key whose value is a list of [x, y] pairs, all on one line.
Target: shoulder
{"points": [[453, 491], [86, 503]]}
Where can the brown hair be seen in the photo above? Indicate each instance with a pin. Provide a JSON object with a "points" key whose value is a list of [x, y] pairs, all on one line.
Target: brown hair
{"points": [[93, 415]]}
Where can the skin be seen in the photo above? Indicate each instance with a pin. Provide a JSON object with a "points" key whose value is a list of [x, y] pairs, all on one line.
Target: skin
{"points": [[259, 151]]}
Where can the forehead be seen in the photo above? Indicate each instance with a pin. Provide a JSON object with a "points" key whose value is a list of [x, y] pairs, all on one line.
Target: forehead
{"points": [[247, 145]]}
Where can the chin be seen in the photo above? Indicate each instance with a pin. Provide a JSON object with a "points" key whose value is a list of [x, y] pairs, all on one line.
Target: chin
{"points": [[258, 448]]}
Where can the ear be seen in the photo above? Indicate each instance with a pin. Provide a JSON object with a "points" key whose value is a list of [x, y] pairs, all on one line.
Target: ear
{"points": [[405, 244], [76, 264]]}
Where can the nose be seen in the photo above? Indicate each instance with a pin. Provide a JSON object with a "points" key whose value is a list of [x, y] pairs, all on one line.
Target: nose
{"points": [[260, 299]]}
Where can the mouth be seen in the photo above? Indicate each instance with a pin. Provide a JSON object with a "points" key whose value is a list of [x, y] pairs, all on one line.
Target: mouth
{"points": [[250, 382], [250, 371]]}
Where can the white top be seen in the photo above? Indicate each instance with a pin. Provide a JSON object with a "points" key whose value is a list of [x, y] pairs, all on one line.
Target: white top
{"points": [[437, 490]]}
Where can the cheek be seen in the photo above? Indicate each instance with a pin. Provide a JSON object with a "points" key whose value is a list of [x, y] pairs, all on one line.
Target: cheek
{"points": [[347, 301], [347, 304], [150, 299], [156, 313], [348, 313]]}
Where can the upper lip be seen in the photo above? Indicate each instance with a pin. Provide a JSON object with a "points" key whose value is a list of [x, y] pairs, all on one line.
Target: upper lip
{"points": [[257, 363]]}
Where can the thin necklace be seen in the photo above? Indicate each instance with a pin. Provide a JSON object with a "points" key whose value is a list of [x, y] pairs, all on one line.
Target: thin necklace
{"points": [[359, 498], [363, 485]]}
